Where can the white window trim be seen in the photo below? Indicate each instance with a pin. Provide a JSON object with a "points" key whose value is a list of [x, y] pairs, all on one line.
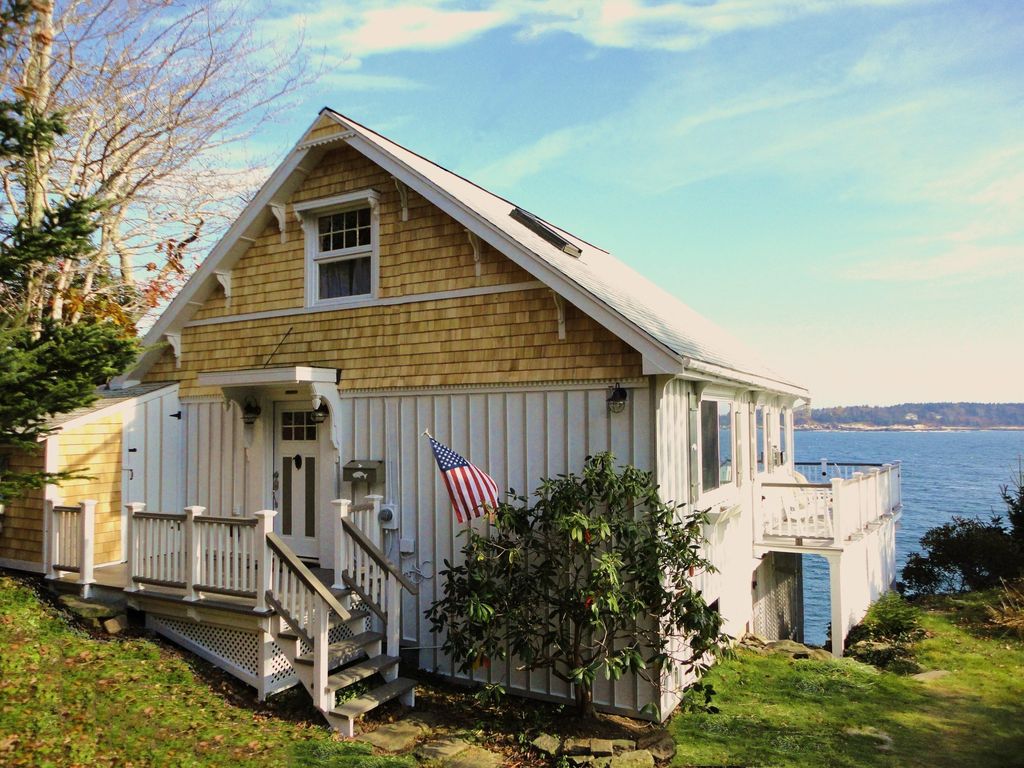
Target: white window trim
{"points": [[722, 489], [309, 212], [765, 442]]}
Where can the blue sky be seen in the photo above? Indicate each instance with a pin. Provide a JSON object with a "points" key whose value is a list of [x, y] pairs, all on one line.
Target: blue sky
{"points": [[840, 184]]}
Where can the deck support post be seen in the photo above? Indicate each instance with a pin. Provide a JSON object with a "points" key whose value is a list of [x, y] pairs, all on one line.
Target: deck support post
{"points": [[261, 556], [835, 583], [131, 546], [322, 696], [341, 553], [193, 552], [86, 545]]}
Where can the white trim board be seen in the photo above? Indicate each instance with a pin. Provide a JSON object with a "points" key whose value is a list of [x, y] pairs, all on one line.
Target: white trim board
{"points": [[390, 301]]}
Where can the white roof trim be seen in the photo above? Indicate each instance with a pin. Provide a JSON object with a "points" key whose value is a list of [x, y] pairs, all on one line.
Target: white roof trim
{"points": [[111, 409]]}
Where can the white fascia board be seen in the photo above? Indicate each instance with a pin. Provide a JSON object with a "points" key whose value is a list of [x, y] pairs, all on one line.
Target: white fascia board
{"points": [[707, 370], [262, 377], [659, 356]]}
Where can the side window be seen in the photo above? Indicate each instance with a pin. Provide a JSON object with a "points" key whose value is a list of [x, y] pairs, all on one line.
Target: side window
{"points": [[716, 444], [783, 433], [759, 440]]}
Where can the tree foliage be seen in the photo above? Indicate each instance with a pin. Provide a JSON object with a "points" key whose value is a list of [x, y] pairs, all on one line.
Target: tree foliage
{"points": [[150, 94], [593, 577], [968, 554], [47, 365]]}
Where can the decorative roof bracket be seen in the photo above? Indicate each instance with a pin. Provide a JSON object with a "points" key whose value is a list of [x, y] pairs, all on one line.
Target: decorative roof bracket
{"points": [[478, 248], [224, 278], [174, 339], [560, 307], [280, 213], [403, 194]]}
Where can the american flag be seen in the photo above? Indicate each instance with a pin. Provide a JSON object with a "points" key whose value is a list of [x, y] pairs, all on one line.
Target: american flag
{"points": [[469, 487]]}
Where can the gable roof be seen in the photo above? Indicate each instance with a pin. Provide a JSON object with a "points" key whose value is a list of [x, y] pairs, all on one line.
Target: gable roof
{"points": [[671, 337]]}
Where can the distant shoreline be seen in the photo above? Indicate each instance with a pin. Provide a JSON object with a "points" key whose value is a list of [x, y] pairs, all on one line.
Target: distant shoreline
{"points": [[900, 428]]}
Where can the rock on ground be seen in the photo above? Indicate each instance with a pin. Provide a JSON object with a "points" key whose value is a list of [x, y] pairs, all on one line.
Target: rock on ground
{"points": [[394, 737], [639, 759], [473, 757]]}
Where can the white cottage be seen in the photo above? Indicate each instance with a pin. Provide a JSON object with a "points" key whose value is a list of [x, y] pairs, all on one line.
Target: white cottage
{"points": [[283, 517]]}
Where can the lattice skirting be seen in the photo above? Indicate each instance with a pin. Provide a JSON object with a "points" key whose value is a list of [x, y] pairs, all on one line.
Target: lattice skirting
{"points": [[250, 655]]}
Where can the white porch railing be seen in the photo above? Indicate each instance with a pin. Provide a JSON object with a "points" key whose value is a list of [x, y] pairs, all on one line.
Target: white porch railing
{"points": [[72, 539], [363, 568], [836, 511], [196, 553]]}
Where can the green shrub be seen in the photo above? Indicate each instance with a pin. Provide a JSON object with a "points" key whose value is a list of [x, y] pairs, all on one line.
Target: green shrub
{"points": [[886, 635]]}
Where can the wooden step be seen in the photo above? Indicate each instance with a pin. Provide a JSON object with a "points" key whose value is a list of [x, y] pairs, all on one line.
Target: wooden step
{"points": [[359, 671], [342, 649], [356, 707], [289, 634]]}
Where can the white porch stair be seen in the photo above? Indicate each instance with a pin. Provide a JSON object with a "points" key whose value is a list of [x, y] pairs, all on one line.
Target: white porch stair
{"points": [[306, 612]]}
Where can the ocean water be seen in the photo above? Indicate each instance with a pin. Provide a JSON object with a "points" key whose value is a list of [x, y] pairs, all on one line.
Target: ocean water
{"points": [[944, 474]]}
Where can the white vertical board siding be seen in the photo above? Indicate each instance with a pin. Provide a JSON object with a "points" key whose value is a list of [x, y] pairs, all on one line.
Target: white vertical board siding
{"points": [[153, 451], [518, 436], [214, 458]]}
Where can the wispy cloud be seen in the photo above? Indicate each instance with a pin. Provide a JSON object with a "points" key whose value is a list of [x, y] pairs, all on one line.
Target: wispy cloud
{"points": [[364, 81], [358, 29]]}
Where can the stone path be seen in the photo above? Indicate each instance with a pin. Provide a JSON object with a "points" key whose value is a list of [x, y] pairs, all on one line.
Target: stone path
{"points": [[432, 744]]}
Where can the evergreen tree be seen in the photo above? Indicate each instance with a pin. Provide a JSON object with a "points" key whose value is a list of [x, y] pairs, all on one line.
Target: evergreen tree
{"points": [[47, 365]]}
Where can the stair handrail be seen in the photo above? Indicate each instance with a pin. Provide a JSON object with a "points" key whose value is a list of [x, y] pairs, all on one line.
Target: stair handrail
{"points": [[377, 555], [302, 572]]}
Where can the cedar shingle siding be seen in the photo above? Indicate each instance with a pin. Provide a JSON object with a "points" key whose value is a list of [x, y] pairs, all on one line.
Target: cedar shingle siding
{"points": [[510, 337]]}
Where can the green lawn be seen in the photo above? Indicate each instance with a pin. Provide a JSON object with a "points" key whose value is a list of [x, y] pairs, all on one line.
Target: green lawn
{"points": [[69, 699], [777, 712]]}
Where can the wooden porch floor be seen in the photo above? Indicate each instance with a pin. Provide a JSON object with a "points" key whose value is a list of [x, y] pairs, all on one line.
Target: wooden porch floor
{"points": [[115, 576]]}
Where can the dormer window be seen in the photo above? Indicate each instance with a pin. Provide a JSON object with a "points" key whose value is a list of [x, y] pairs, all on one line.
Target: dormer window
{"points": [[341, 248]]}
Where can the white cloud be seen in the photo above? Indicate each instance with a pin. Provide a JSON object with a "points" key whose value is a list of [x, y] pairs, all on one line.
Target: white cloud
{"points": [[535, 157], [356, 29]]}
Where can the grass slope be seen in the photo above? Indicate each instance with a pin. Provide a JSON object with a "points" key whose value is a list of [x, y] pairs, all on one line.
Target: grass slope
{"points": [[70, 699], [777, 712]]}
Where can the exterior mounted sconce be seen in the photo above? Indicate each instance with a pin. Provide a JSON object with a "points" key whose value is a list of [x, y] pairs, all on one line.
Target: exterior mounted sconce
{"points": [[319, 415], [250, 411], [617, 397]]}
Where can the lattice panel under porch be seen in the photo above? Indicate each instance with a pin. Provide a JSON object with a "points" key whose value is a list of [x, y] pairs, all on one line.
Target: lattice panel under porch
{"points": [[233, 650]]}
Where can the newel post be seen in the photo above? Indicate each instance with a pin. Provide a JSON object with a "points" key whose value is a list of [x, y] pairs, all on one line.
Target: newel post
{"points": [[261, 556], [393, 606], [131, 546], [838, 526], [86, 544], [193, 554], [54, 523], [322, 695], [341, 544]]}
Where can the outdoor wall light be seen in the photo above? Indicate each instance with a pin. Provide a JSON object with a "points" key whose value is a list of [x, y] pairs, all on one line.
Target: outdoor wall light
{"points": [[617, 397], [250, 411], [319, 414]]}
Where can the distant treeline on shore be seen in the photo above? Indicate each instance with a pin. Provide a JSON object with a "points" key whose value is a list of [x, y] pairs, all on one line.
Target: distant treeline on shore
{"points": [[915, 416]]}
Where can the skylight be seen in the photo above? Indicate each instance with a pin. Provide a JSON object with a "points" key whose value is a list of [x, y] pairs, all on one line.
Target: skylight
{"points": [[538, 227]]}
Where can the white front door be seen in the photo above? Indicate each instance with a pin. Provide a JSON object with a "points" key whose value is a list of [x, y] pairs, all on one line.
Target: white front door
{"points": [[296, 475]]}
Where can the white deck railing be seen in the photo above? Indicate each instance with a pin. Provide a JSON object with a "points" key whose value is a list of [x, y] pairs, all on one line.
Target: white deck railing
{"points": [[836, 511], [72, 539], [194, 552]]}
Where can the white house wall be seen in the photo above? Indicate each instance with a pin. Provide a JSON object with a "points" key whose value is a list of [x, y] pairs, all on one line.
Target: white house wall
{"points": [[214, 456], [152, 451], [518, 436]]}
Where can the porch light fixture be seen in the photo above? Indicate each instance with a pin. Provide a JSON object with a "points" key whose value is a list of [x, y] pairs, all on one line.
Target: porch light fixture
{"points": [[617, 397], [319, 414], [250, 411]]}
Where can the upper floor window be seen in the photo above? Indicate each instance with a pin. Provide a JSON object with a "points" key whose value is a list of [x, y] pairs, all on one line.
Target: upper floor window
{"points": [[759, 438], [716, 444], [783, 437], [341, 247]]}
